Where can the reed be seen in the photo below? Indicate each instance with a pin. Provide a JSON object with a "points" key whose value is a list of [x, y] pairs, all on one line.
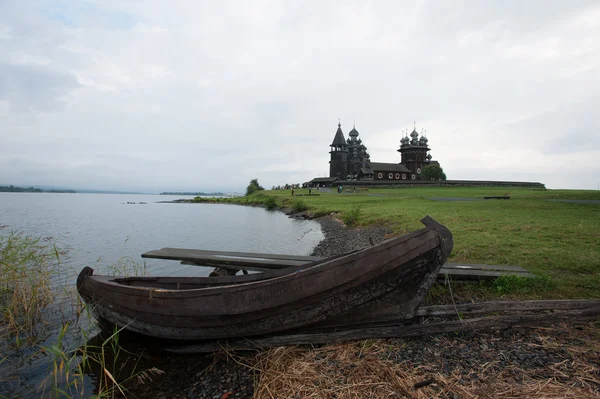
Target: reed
{"points": [[27, 267], [127, 266], [114, 368], [32, 271]]}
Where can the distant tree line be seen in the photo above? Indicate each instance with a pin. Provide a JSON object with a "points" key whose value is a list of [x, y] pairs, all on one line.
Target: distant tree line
{"points": [[13, 189], [190, 193]]}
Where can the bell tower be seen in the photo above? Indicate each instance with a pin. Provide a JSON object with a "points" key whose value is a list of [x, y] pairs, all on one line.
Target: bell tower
{"points": [[338, 165]]}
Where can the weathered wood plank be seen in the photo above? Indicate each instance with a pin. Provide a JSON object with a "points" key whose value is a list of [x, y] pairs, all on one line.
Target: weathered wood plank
{"points": [[480, 274], [222, 259], [199, 254], [394, 331], [499, 306], [484, 267], [390, 316]]}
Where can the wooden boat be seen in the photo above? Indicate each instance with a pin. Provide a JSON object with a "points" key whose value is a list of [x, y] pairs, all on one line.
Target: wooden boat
{"points": [[388, 280]]}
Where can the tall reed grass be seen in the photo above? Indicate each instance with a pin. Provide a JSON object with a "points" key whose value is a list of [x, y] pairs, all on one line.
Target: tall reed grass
{"points": [[27, 267], [30, 270], [114, 368]]}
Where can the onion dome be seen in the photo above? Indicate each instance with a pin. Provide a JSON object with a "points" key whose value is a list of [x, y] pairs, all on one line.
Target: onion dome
{"points": [[414, 134], [353, 132], [429, 157], [404, 140], [423, 138]]}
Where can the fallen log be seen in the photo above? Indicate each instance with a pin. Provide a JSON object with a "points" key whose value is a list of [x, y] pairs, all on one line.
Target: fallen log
{"points": [[504, 306], [396, 330]]}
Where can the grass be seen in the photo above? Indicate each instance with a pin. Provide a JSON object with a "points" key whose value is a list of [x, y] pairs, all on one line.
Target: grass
{"points": [[558, 241]]}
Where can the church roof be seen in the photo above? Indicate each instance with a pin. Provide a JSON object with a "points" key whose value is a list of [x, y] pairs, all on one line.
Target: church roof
{"points": [[389, 167], [324, 180], [353, 132], [366, 171], [339, 139]]}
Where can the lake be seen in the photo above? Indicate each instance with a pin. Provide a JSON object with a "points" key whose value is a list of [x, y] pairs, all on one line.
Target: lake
{"points": [[101, 229]]}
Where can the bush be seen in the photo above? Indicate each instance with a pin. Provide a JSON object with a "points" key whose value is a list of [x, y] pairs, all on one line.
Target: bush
{"points": [[351, 217], [299, 206], [253, 187], [271, 203]]}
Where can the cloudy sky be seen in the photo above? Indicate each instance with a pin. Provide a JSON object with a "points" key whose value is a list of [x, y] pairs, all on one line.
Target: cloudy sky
{"points": [[164, 95]]}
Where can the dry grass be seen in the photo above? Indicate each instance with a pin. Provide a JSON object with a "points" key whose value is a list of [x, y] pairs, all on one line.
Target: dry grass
{"points": [[359, 370]]}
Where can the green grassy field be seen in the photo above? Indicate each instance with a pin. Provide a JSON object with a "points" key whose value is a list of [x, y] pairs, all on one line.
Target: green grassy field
{"points": [[560, 242]]}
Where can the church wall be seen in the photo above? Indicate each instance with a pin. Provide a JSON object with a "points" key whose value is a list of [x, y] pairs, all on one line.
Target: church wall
{"points": [[438, 183], [390, 175]]}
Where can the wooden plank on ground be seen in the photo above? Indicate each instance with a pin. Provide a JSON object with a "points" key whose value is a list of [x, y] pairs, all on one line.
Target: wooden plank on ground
{"points": [[479, 274], [503, 306], [395, 331], [468, 266]]}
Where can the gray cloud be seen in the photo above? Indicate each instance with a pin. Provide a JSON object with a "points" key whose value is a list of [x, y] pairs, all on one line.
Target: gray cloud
{"points": [[151, 95], [34, 87]]}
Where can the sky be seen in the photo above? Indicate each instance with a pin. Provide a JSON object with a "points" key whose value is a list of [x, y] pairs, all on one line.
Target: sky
{"points": [[160, 95]]}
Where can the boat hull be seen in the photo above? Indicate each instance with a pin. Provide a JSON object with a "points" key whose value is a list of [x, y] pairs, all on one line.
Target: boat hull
{"points": [[393, 276]]}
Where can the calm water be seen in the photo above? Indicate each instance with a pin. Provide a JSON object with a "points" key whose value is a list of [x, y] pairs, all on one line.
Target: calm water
{"points": [[101, 229]]}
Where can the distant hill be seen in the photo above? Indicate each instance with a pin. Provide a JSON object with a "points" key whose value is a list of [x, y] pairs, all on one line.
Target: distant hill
{"points": [[13, 189], [88, 191]]}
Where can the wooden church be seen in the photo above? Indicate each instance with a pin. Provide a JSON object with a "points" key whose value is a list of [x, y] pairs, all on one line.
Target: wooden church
{"points": [[351, 161]]}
